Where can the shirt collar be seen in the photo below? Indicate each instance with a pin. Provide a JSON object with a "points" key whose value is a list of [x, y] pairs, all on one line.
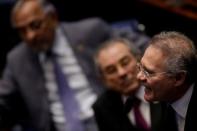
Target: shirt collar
{"points": [[139, 94], [59, 47], [181, 105]]}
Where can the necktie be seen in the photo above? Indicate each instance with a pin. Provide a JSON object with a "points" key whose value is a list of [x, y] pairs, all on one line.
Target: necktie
{"points": [[170, 120], [133, 102], [140, 121], [71, 107]]}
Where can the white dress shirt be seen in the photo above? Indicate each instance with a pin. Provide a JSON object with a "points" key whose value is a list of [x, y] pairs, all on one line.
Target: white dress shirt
{"points": [[76, 79], [180, 106], [144, 108]]}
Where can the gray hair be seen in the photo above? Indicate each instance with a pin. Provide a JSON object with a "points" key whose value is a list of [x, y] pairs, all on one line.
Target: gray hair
{"points": [[48, 8], [108, 43], [180, 52]]}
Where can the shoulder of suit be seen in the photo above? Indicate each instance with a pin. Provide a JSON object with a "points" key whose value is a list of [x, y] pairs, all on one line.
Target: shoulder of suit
{"points": [[107, 96], [86, 20], [19, 52]]}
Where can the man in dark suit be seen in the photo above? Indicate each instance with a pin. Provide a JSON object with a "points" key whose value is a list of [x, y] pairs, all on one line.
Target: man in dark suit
{"points": [[168, 72], [29, 91], [116, 62]]}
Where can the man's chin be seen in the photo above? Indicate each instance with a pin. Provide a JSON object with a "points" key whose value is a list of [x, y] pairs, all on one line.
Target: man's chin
{"points": [[40, 49], [147, 98]]}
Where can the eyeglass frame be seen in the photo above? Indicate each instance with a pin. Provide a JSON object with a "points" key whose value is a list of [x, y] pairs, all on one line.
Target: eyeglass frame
{"points": [[146, 73], [33, 25]]}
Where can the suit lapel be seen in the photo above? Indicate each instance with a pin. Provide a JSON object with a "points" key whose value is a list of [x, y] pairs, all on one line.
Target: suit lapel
{"points": [[115, 110], [83, 53], [156, 110], [33, 88]]}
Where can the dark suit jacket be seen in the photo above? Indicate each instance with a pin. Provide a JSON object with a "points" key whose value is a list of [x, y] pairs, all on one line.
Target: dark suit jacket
{"points": [[191, 116], [110, 116], [190, 122], [23, 96]]}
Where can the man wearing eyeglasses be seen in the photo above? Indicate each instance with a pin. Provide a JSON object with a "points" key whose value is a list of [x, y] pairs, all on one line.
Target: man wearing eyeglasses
{"points": [[117, 109], [30, 93], [168, 72]]}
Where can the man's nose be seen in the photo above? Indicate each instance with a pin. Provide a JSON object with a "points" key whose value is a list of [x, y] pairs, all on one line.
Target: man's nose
{"points": [[29, 34], [141, 76], [122, 72]]}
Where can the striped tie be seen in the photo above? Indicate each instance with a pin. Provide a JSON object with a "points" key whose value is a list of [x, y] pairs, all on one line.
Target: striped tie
{"points": [[71, 107]]}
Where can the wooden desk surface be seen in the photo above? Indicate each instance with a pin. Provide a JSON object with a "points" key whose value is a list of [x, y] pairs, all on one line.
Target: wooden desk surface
{"points": [[187, 8]]}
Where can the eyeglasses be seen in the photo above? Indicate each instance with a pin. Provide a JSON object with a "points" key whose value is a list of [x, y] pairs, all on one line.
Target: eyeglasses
{"points": [[146, 73], [34, 25]]}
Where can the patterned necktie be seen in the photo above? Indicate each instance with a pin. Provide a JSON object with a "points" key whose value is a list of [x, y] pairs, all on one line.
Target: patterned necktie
{"points": [[71, 107]]}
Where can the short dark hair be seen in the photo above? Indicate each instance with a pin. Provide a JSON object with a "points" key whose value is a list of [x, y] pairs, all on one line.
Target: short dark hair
{"points": [[48, 8]]}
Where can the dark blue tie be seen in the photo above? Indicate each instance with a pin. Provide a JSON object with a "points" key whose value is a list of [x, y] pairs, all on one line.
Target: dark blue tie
{"points": [[170, 120], [71, 107]]}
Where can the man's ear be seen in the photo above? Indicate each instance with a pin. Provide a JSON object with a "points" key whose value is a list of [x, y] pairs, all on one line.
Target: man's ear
{"points": [[180, 78]]}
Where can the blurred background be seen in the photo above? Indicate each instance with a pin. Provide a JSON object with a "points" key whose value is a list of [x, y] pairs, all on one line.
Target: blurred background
{"points": [[150, 16]]}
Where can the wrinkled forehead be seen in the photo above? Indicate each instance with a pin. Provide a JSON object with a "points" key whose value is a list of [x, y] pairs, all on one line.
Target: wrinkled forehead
{"points": [[26, 13], [154, 57], [113, 54]]}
